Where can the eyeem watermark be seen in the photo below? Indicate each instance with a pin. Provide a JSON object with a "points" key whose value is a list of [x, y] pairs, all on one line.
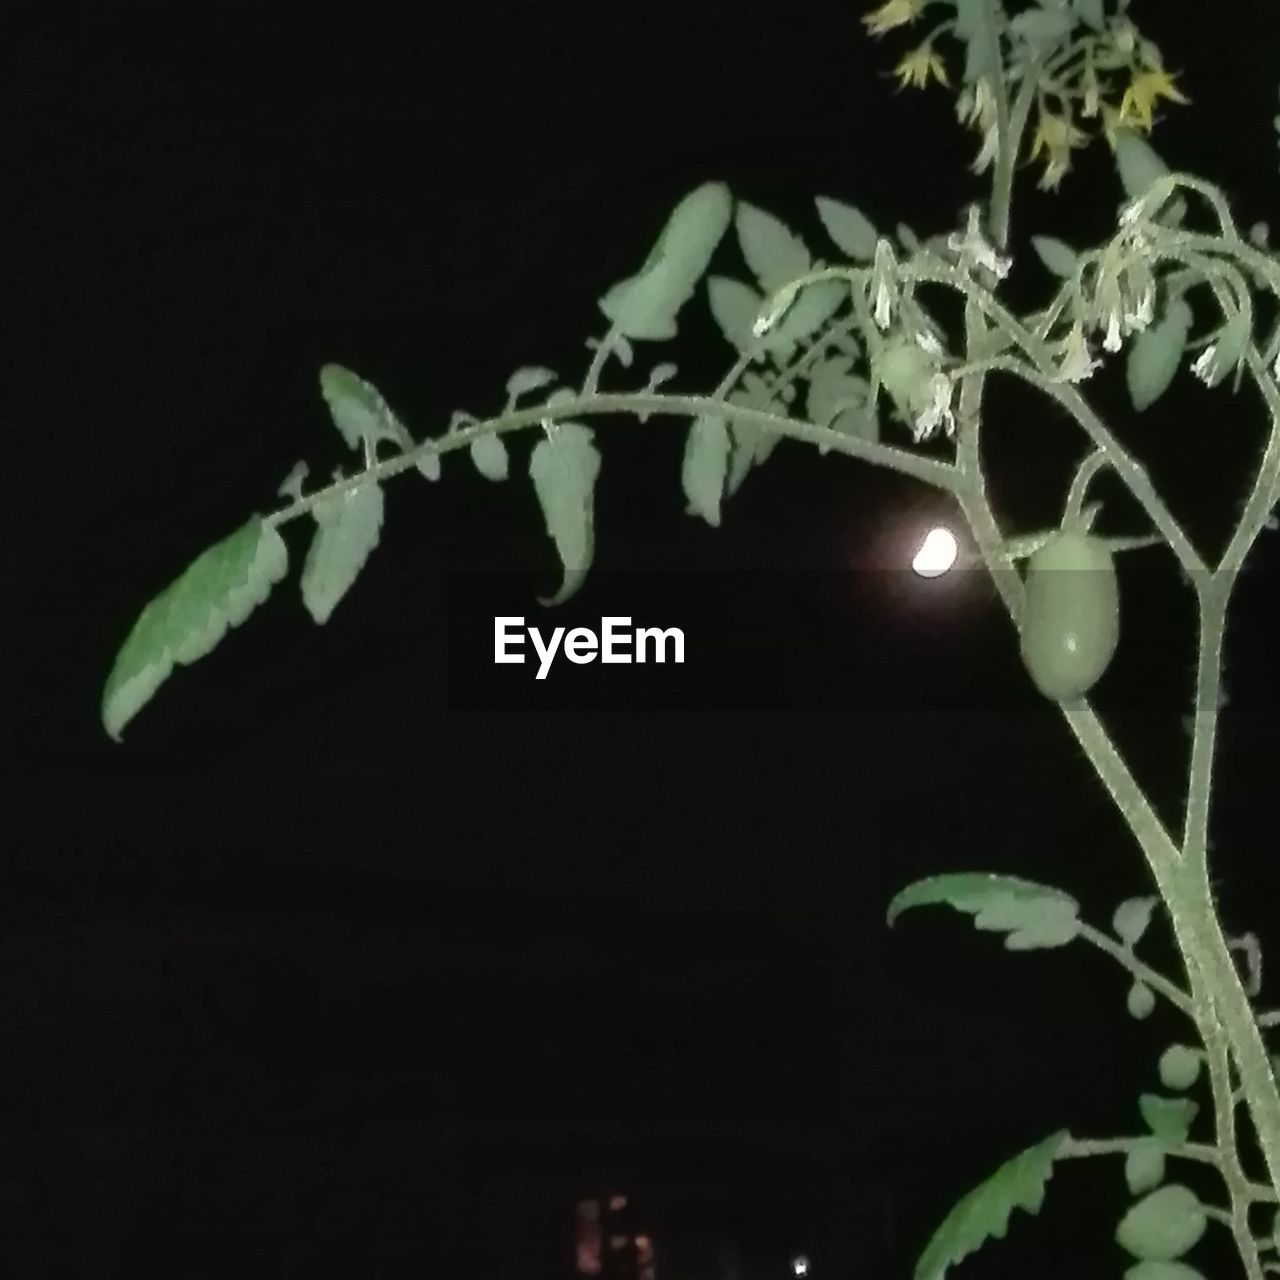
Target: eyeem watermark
{"points": [[616, 641]]}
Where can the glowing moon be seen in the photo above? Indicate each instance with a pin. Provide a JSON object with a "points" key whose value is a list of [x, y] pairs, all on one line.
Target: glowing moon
{"points": [[937, 553]]}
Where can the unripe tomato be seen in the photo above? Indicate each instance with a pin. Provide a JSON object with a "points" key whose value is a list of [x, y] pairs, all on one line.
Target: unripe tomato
{"points": [[1071, 623]]}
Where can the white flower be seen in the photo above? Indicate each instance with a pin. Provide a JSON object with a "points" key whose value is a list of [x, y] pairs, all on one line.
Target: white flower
{"points": [[929, 342], [972, 245], [1077, 360], [1204, 365], [1138, 319], [1131, 211], [884, 305], [1113, 341], [937, 413], [884, 278]]}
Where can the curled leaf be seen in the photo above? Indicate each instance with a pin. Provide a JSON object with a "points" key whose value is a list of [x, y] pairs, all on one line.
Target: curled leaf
{"points": [[348, 527], [1033, 915], [645, 305], [218, 590], [358, 409], [564, 468], [705, 467], [984, 1213]]}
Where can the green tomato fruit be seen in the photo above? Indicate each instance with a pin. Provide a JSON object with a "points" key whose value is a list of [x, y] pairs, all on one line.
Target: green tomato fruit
{"points": [[1071, 624]]}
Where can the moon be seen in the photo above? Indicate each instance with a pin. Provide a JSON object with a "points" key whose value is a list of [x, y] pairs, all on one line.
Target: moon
{"points": [[937, 553]]}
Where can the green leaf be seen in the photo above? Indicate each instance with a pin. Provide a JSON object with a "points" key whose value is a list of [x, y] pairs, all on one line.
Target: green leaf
{"points": [[1034, 915], [1132, 917], [1057, 255], [1042, 26], [1144, 1166], [1163, 1225], [774, 253], [840, 400], [1156, 354], [1137, 163], [1179, 1066], [348, 527], [983, 1214], [489, 453], [1091, 13], [1162, 1271], [645, 305], [358, 409], [734, 306], [1140, 1001], [1168, 1118], [530, 378], [218, 590], [706, 463], [564, 468], [849, 228]]}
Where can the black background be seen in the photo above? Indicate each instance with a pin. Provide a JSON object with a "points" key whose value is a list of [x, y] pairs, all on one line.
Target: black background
{"points": [[363, 956]]}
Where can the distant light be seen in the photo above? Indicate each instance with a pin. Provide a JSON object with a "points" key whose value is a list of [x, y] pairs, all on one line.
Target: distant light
{"points": [[937, 553], [800, 1265]]}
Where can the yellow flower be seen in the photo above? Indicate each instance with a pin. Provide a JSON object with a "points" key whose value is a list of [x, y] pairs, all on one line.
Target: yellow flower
{"points": [[1144, 90], [1056, 135], [919, 66], [893, 13]]}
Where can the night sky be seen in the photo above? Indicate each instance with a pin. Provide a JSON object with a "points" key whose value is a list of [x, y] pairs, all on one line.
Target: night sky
{"points": [[362, 956]]}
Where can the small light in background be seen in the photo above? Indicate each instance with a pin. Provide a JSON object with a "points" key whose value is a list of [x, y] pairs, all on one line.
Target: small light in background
{"points": [[800, 1265], [937, 553]]}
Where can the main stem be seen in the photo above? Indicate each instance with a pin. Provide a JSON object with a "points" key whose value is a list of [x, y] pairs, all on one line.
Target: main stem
{"points": [[1222, 1005]]}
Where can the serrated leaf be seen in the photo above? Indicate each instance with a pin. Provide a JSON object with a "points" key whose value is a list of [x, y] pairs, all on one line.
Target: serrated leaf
{"points": [[1056, 254], [1034, 915], [1169, 1119], [705, 467], [1132, 917], [849, 228], [1162, 1271], [772, 250], [489, 453], [645, 305], [1144, 1166], [217, 591], [1140, 1002], [564, 468], [1137, 162], [348, 527], [1156, 354], [1042, 26], [358, 409], [528, 379], [1163, 1225], [1179, 1066], [840, 400], [983, 1214], [734, 306]]}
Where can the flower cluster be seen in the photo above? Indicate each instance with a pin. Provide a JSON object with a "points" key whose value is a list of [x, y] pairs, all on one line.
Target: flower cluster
{"points": [[1113, 78]]}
